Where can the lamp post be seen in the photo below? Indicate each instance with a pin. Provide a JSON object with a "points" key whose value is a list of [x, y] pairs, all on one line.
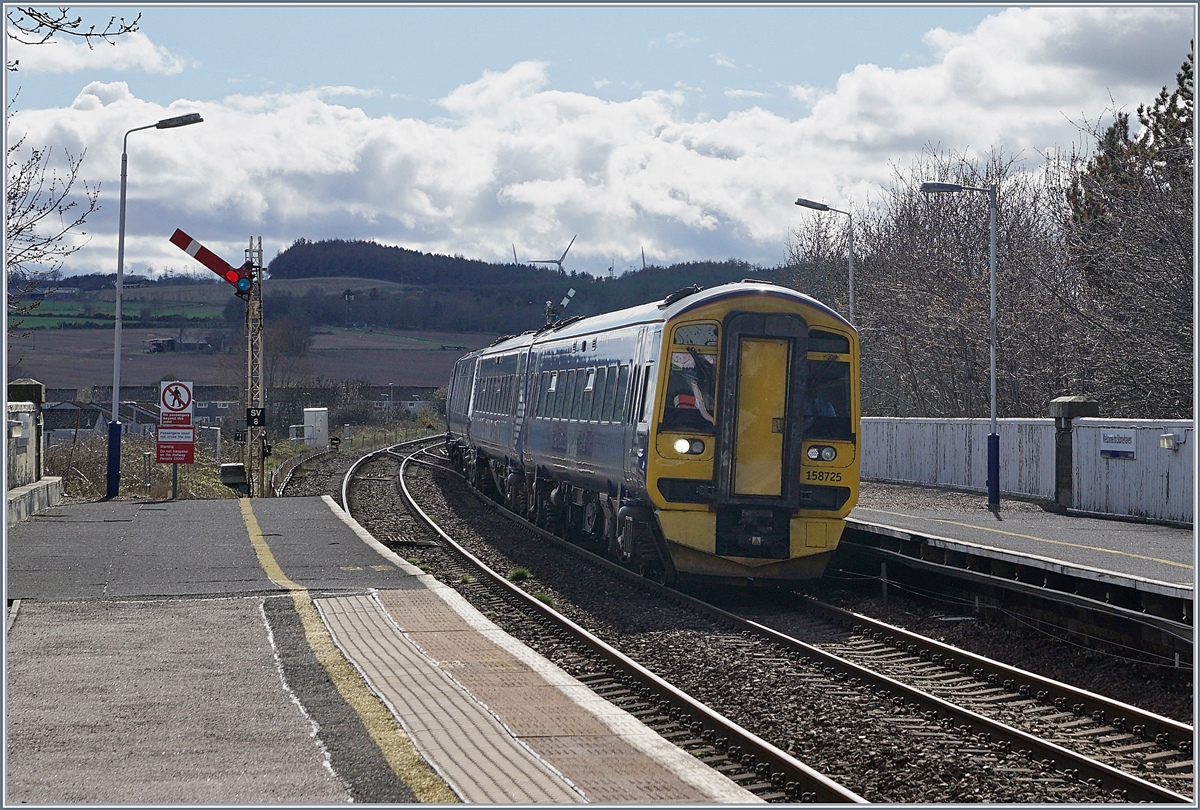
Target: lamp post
{"points": [[993, 460], [816, 206], [114, 427]]}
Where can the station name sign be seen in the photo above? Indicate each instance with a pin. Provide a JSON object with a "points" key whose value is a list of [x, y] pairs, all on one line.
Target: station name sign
{"points": [[1118, 443]]}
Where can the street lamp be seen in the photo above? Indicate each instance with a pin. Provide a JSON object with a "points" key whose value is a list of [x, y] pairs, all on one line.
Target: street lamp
{"points": [[114, 427], [993, 461], [816, 206]]}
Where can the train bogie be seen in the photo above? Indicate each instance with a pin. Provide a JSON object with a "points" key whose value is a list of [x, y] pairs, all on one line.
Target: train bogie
{"points": [[712, 435]]}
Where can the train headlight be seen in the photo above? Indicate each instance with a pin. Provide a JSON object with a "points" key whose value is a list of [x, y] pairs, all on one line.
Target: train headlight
{"points": [[683, 446], [822, 452], [828, 454], [689, 447], [697, 447]]}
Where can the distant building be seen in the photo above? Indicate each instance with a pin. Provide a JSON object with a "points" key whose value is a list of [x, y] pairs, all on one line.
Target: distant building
{"points": [[412, 399]]}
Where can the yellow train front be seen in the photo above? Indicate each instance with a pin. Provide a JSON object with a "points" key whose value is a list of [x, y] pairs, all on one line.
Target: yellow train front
{"points": [[712, 435]]}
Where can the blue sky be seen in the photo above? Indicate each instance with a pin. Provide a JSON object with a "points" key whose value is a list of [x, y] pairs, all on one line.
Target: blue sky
{"points": [[684, 131]]}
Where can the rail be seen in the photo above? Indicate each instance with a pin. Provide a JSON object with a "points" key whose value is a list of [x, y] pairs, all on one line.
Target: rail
{"points": [[993, 732], [814, 785]]}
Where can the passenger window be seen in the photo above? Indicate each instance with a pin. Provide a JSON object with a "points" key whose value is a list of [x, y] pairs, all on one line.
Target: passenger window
{"points": [[589, 386], [619, 395], [567, 396], [552, 395], [578, 396], [599, 394], [691, 388]]}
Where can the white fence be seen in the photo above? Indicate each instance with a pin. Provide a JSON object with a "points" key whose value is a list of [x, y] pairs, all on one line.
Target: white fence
{"points": [[1156, 483]]}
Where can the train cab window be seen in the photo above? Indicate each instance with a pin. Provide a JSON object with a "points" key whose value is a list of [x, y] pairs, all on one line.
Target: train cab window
{"points": [[828, 342], [691, 389], [827, 407], [696, 334]]}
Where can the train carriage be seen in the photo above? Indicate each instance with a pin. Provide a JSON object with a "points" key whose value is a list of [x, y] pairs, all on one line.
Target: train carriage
{"points": [[712, 435]]}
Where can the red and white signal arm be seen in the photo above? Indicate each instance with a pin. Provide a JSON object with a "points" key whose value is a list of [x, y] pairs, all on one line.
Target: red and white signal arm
{"points": [[175, 404], [239, 277]]}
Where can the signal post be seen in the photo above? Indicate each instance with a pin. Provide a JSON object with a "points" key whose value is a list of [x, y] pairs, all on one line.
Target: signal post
{"points": [[247, 283]]}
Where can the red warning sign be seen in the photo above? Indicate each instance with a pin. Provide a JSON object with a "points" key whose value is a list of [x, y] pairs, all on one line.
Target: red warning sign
{"points": [[175, 446], [175, 404]]}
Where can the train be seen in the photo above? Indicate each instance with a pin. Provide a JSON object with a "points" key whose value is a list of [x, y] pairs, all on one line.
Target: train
{"points": [[711, 436]]}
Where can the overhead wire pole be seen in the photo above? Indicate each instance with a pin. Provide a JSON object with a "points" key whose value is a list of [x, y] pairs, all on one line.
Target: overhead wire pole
{"points": [[254, 355]]}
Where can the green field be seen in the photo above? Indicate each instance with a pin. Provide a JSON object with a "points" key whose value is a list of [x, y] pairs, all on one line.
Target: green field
{"points": [[54, 314], [173, 305]]}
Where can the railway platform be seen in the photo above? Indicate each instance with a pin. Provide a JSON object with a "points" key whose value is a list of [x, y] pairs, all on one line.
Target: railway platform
{"points": [[1110, 548], [272, 652]]}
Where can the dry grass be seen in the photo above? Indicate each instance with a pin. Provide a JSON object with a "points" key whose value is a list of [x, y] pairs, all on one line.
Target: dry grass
{"points": [[83, 466]]}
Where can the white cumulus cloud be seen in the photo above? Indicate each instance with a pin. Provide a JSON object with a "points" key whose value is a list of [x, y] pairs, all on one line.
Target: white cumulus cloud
{"points": [[132, 51], [513, 160]]}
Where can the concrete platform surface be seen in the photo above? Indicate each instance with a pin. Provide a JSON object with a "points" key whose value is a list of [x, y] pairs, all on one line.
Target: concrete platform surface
{"points": [[272, 652], [1126, 548]]}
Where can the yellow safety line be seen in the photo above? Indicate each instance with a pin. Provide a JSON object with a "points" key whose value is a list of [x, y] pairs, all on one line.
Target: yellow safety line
{"points": [[401, 755], [1031, 537]]}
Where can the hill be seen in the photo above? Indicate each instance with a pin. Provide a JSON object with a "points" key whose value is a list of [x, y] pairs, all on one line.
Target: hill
{"points": [[455, 294]]}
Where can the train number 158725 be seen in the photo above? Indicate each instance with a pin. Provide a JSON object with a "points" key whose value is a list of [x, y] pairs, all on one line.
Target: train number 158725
{"points": [[822, 475]]}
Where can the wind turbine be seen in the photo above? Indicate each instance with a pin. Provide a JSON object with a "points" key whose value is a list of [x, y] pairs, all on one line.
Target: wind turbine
{"points": [[557, 261]]}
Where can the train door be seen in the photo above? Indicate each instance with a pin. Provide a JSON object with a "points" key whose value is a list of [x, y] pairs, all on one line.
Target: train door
{"points": [[519, 415], [760, 417], [469, 407], [763, 362], [641, 404]]}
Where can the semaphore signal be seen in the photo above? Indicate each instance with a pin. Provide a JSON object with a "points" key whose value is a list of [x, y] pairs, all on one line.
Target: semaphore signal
{"points": [[239, 277]]}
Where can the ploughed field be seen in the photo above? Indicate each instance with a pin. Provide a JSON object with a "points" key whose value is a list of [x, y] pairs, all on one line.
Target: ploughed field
{"points": [[77, 358]]}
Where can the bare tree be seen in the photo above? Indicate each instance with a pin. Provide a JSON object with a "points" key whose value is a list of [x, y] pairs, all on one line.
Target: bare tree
{"points": [[922, 289], [47, 202], [30, 26]]}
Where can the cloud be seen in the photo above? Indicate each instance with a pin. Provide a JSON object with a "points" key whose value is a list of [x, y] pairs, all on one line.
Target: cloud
{"points": [[59, 55], [804, 93], [513, 160], [746, 94], [678, 39], [723, 60]]}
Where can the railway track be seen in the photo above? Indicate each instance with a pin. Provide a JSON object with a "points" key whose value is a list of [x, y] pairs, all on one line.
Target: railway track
{"points": [[758, 766], [909, 701]]}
